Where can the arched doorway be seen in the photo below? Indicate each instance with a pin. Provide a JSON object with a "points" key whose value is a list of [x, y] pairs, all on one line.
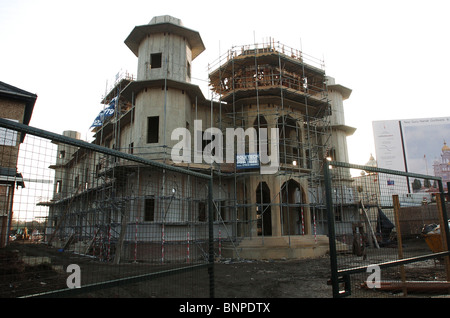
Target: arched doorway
{"points": [[263, 210], [293, 216]]}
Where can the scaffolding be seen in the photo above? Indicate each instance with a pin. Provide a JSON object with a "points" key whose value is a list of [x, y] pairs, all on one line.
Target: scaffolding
{"points": [[122, 213], [128, 210], [266, 85], [115, 208]]}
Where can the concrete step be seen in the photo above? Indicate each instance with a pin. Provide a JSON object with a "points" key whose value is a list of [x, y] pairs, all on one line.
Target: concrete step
{"points": [[281, 247], [284, 241]]}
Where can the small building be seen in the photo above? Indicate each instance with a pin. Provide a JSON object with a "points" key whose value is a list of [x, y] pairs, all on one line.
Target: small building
{"points": [[16, 105]]}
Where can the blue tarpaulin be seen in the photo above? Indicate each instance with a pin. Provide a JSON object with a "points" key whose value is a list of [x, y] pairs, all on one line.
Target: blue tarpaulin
{"points": [[105, 113]]}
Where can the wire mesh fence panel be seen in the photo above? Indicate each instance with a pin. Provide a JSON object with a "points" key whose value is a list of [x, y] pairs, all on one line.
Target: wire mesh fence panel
{"points": [[84, 220], [385, 232]]}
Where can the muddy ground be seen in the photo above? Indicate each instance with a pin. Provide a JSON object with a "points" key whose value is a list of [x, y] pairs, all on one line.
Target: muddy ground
{"points": [[267, 279], [274, 278], [232, 278]]}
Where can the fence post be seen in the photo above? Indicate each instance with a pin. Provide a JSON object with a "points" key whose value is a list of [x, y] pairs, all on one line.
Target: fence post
{"points": [[331, 230], [220, 245], [443, 224], [211, 238], [187, 250], [135, 240], [396, 203]]}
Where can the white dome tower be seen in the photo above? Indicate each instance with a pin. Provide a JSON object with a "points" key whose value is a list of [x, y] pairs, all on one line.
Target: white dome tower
{"points": [[163, 90]]}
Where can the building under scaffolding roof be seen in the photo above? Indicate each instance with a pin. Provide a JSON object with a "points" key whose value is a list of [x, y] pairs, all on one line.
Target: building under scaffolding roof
{"points": [[261, 215]]}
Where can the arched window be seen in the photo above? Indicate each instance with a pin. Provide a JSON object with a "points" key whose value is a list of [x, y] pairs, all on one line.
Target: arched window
{"points": [[291, 150], [261, 122]]}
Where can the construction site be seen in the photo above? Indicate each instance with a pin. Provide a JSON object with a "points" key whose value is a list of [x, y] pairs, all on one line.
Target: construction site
{"points": [[257, 216], [255, 177]]}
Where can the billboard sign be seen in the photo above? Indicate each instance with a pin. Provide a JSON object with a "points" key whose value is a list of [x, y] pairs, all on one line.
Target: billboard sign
{"points": [[414, 145]]}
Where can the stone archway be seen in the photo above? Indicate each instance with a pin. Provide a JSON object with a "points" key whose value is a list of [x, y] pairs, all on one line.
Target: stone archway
{"points": [[293, 217]]}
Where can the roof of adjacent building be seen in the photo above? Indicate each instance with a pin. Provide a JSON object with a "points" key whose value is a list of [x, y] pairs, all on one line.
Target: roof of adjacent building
{"points": [[15, 93]]}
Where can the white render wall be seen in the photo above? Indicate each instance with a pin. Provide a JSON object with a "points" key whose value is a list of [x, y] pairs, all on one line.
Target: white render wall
{"points": [[175, 50], [152, 103]]}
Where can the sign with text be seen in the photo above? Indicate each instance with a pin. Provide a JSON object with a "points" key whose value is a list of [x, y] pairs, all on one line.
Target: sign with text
{"points": [[247, 161]]}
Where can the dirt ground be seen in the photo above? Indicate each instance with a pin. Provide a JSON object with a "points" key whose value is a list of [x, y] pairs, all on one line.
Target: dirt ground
{"points": [[233, 279], [274, 278]]}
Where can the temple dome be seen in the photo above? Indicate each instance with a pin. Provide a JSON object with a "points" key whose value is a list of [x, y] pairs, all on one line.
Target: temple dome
{"points": [[372, 162]]}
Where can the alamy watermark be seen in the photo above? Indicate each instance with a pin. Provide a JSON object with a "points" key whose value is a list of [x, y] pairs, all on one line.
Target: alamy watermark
{"points": [[74, 279], [374, 279], [213, 152]]}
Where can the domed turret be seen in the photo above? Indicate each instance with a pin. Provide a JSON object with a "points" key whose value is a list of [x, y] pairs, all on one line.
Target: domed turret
{"points": [[372, 162], [165, 49]]}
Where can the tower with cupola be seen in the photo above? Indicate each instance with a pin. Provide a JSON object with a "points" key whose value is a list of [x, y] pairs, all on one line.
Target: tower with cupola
{"points": [[163, 95]]}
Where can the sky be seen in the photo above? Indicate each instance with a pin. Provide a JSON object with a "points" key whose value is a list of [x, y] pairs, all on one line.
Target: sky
{"points": [[393, 55]]}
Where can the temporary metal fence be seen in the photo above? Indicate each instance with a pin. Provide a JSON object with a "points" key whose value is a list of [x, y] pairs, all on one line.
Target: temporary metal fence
{"points": [[385, 232], [83, 220]]}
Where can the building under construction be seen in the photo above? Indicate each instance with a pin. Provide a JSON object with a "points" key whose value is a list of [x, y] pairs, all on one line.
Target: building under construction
{"points": [[277, 92]]}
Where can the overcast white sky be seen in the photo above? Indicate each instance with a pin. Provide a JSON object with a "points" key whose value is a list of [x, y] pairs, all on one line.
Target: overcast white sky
{"points": [[394, 55]]}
